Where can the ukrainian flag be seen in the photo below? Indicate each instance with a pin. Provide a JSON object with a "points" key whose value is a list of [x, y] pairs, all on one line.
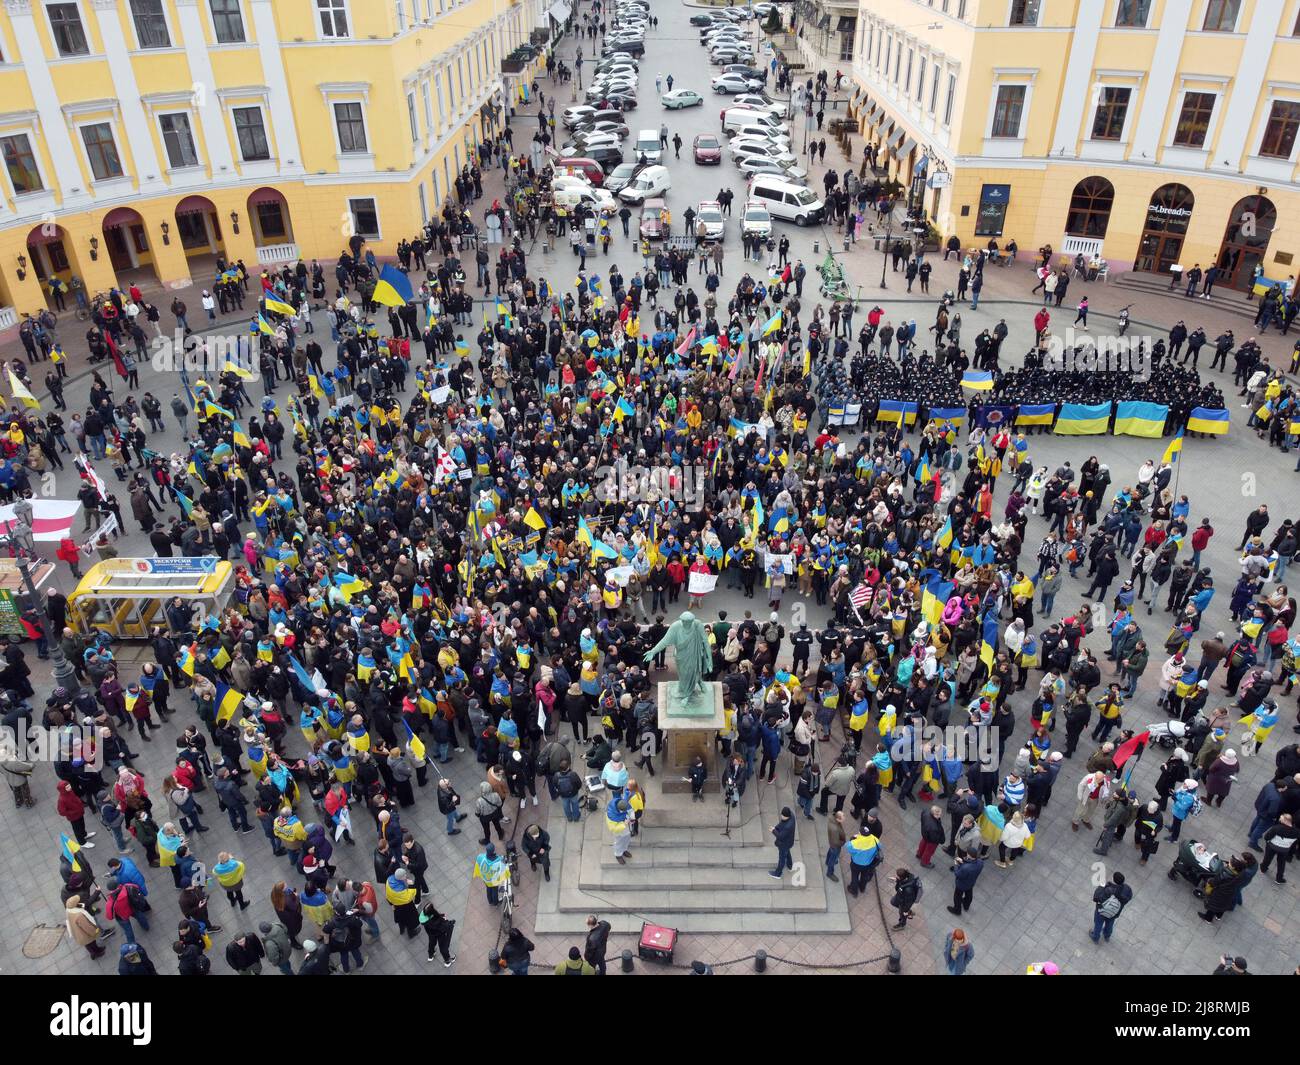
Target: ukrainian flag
{"points": [[240, 437], [278, 306], [1133, 418], [238, 371], [945, 536], [1204, 420], [598, 548], [623, 410], [772, 324], [393, 288], [210, 408], [956, 415], [935, 598], [1174, 449], [1036, 414], [1263, 284], [979, 380], [348, 585], [304, 678], [989, 639], [1083, 419], [897, 410], [227, 701], [413, 742], [261, 325], [534, 520], [70, 847], [187, 504]]}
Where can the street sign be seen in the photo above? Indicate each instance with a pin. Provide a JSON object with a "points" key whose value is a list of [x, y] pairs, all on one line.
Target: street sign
{"points": [[175, 566]]}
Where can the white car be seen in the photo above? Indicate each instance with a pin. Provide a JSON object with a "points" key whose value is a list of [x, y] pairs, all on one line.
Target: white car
{"points": [[756, 220], [722, 56], [759, 102], [733, 83], [710, 213], [596, 140], [620, 67], [599, 92], [777, 141], [572, 194], [570, 116], [750, 165], [763, 151]]}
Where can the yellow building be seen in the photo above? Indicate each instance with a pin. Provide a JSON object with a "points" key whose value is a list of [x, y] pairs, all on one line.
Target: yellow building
{"points": [[142, 138], [1154, 132]]}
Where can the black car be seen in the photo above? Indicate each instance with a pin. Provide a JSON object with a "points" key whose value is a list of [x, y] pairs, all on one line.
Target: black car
{"points": [[636, 48], [608, 158], [622, 100], [702, 20]]}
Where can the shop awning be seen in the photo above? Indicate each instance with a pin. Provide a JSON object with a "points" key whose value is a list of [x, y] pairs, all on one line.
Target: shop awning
{"points": [[560, 11], [909, 146], [847, 23], [872, 112], [885, 127], [897, 137]]}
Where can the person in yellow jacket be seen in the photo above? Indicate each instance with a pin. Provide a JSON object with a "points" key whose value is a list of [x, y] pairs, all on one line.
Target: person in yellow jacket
{"points": [[229, 872], [289, 830], [491, 868]]}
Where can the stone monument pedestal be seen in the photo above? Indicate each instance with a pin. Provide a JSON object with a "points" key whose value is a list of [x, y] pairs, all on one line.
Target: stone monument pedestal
{"points": [[690, 729]]}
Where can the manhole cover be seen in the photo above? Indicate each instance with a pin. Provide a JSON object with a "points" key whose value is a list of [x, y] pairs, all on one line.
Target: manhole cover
{"points": [[43, 939]]}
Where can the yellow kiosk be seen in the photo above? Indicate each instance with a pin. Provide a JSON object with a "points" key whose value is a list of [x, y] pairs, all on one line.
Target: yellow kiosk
{"points": [[125, 597]]}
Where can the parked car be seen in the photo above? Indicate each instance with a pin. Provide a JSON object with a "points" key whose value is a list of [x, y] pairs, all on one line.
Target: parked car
{"points": [[733, 83], [651, 182], [680, 98], [756, 220], [652, 219], [710, 213], [707, 149], [751, 165], [622, 174]]}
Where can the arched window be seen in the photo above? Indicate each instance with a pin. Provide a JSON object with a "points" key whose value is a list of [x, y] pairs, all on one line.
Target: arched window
{"points": [[1090, 208]]}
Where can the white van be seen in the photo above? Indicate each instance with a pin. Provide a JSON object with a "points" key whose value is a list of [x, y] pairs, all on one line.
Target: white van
{"points": [[650, 182], [786, 199], [735, 117], [647, 144]]}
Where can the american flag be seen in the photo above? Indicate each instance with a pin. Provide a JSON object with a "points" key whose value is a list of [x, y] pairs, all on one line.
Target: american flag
{"points": [[860, 596]]}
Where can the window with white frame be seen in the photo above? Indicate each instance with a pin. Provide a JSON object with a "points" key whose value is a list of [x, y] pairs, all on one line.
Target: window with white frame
{"points": [[228, 22], [907, 78], [350, 122], [428, 106], [950, 99], [898, 61], [920, 79], [150, 24], [20, 162], [1221, 15], [67, 30], [178, 140], [101, 151], [1024, 12], [333, 18], [934, 89], [1008, 111], [424, 205], [410, 114], [1280, 130], [401, 16], [444, 105], [1132, 13], [1111, 114], [365, 217], [250, 131], [1194, 119]]}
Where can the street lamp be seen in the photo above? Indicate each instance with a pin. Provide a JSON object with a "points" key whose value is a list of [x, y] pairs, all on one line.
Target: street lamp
{"points": [[21, 542], [889, 239]]}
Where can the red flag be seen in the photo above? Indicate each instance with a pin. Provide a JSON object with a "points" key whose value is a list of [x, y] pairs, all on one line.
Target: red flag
{"points": [[1128, 748]]}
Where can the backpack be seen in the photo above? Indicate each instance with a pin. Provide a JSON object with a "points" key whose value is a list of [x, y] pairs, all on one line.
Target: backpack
{"points": [[771, 634], [1110, 907]]}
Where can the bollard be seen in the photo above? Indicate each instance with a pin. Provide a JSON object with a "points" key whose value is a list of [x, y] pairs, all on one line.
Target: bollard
{"points": [[895, 961], [627, 961], [846, 242], [817, 246], [494, 962], [760, 961]]}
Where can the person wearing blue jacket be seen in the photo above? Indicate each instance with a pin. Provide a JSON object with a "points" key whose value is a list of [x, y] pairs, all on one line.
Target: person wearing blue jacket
{"points": [[864, 854], [125, 871], [1183, 803], [965, 872], [771, 749], [783, 835]]}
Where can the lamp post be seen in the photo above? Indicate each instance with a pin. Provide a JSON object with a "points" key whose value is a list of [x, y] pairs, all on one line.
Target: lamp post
{"points": [[889, 239], [20, 541]]}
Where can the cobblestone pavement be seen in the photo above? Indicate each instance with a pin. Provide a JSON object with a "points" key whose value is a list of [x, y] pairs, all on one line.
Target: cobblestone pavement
{"points": [[1037, 910]]}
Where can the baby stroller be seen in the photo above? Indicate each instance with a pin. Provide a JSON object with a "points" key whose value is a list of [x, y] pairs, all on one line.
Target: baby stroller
{"points": [[833, 284], [1167, 734], [1196, 864]]}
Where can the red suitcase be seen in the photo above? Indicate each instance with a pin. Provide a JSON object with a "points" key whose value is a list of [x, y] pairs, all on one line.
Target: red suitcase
{"points": [[657, 943]]}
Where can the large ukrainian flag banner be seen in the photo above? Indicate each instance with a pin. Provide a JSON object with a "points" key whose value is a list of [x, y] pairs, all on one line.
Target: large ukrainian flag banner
{"points": [[979, 380], [896, 410], [1263, 284], [1036, 414], [1133, 418], [1083, 419], [1204, 420]]}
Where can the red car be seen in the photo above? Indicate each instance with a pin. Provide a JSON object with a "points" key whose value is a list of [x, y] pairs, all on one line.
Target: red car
{"points": [[708, 149]]}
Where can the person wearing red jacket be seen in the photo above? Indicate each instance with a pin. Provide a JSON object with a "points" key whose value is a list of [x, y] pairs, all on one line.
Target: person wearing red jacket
{"points": [[71, 554], [1200, 540], [71, 807]]}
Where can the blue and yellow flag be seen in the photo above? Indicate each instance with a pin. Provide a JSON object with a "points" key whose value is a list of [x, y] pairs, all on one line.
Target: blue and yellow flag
{"points": [[979, 380], [1174, 449], [1133, 418], [227, 701], [393, 288], [1204, 420], [278, 306], [989, 639], [1035, 413], [70, 847], [1083, 419], [413, 742]]}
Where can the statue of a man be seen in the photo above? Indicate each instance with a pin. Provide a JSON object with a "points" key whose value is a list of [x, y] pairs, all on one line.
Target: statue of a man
{"points": [[689, 640]]}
